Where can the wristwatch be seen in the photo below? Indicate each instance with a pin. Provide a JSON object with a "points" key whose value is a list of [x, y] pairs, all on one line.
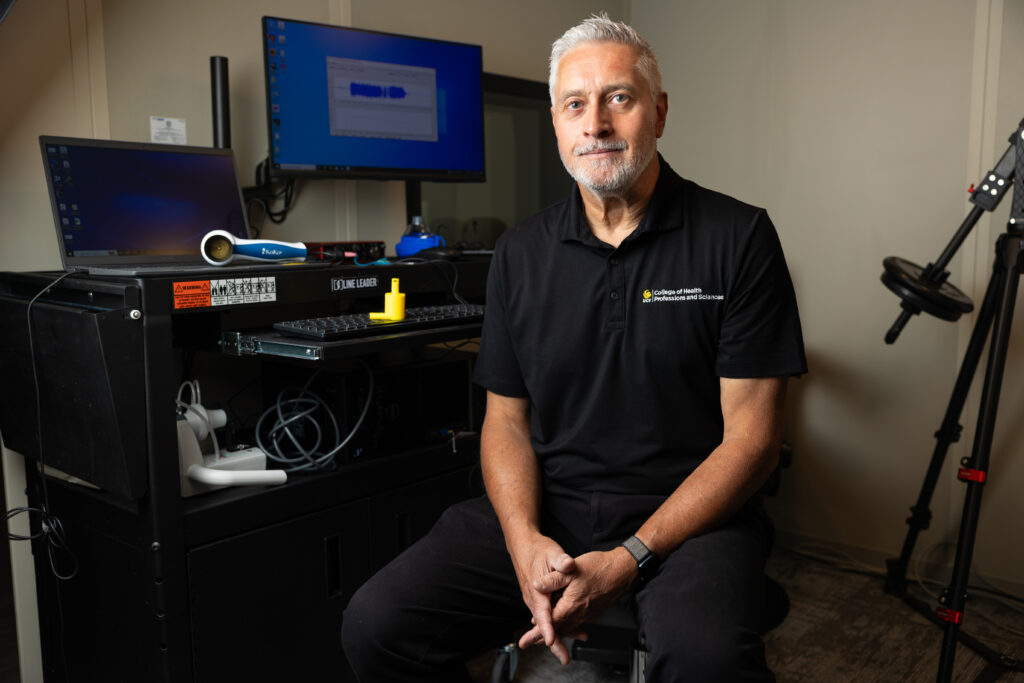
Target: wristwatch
{"points": [[646, 561]]}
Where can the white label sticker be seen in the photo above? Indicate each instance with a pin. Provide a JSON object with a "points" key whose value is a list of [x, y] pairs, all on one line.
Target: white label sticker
{"points": [[242, 290], [167, 131]]}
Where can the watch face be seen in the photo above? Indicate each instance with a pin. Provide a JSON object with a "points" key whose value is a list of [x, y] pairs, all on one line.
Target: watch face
{"points": [[648, 566]]}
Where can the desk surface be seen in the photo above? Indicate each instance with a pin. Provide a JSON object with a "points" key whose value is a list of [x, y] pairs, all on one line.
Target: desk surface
{"points": [[318, 287]]}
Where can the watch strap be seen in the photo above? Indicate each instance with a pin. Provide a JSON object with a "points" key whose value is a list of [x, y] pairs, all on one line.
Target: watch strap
{"points": [[637, 549], [647, 562]]}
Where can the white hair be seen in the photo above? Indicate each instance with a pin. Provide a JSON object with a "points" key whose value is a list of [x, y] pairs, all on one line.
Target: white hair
{"points": [[598, 28]]}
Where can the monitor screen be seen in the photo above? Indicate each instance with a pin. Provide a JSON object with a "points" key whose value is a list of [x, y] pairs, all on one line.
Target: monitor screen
{"points": [[352, 103]]}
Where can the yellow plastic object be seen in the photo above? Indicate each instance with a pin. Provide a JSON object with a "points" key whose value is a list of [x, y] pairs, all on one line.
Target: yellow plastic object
{"points": [[394, 304]]}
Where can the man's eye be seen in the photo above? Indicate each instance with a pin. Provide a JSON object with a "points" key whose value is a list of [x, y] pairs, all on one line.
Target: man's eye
{"points": [[620, 98], [573, 105]]}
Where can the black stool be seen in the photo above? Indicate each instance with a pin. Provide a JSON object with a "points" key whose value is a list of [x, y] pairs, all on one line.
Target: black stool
{"points": [[614, 639]]}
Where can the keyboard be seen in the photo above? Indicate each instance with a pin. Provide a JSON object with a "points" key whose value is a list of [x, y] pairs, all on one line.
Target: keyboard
{"points": [[353, 325]]}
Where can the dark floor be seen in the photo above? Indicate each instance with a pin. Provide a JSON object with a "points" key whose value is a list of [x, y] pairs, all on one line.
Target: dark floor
{"points": [[841, 627]]}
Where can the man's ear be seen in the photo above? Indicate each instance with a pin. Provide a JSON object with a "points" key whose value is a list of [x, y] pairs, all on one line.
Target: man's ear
{"points": [[661, 107]]}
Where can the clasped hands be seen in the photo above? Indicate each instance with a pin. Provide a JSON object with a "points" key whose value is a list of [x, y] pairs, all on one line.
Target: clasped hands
{"points": [[562, 591]]}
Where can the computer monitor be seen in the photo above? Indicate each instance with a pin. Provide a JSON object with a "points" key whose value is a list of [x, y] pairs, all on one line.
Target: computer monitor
{"points": [[351, 103]]}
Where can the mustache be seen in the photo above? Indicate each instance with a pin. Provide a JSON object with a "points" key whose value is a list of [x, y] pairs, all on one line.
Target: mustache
{"points": [[600, 146]]}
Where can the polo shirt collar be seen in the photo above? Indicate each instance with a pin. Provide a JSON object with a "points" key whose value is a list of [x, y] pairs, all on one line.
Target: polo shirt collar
{"points": [[665, 211]]}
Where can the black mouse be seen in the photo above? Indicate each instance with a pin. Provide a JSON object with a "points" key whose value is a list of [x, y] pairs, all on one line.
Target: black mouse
{"points": [[439, 253]]}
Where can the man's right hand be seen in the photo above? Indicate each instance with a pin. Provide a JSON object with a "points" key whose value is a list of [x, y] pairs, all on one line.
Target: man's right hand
{"points": [[512, 478], [543, 568]]}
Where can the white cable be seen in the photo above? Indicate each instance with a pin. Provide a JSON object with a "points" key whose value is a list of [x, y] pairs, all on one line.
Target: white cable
{"points": [[193, 386], [299, 411], [200, 413], [215, 477]]}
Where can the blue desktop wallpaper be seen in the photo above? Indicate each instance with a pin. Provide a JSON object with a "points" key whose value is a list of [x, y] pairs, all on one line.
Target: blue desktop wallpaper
{"points": [[118, 201], [299, 113]]}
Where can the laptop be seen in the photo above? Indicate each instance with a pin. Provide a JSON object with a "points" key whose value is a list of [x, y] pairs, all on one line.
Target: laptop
{"points": [[129, 208]]}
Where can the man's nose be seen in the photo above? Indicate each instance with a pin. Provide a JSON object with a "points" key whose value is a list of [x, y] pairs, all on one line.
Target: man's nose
{"points": [[598, 122]]}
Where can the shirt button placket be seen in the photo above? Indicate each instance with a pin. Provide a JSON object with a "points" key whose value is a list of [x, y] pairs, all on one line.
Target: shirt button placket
{"points": [[616, 292]]}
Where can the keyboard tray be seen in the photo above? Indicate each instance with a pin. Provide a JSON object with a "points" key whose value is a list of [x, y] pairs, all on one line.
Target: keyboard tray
{"points": [[352, 325], [382, 338]]}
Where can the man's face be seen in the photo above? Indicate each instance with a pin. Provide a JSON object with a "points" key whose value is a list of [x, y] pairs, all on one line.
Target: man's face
{"points": [[605, 120]]}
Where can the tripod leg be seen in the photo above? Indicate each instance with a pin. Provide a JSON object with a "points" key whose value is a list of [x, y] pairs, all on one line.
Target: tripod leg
{"points": [[975, 471], [949, 432]]}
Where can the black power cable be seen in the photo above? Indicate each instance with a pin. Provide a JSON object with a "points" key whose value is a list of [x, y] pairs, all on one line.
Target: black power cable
{"points": [[50, 527]]}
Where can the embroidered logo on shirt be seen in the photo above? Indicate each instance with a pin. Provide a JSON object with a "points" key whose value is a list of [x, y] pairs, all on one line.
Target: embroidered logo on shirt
{"points": [[652, 296]]}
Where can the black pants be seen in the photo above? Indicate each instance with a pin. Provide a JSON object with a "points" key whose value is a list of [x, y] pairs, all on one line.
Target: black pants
{"points": [[454, 594]]}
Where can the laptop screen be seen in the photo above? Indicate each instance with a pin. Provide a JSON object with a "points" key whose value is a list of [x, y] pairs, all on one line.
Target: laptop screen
{"points": [[127, 203]]}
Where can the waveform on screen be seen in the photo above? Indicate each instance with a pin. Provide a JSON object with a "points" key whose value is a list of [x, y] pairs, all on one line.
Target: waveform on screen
{"points": [[392, 92]]}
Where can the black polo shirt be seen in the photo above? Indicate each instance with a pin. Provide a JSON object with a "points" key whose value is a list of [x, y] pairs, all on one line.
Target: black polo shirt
{"points": [[620, 351]]}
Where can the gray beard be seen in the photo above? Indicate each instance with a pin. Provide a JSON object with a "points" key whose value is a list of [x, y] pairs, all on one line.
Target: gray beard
{"points": [[624, 173]]}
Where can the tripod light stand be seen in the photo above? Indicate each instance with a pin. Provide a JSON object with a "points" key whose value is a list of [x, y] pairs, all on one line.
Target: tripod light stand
{"points": [[926, 289]]}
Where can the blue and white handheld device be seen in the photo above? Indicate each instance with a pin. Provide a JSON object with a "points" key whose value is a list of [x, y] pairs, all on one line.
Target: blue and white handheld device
{"points": [[220, 248]]}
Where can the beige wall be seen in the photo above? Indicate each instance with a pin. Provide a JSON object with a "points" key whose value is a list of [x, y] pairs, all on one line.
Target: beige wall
{"points": [[859, 126], [49, 40], [156, 71], [151, 70]]}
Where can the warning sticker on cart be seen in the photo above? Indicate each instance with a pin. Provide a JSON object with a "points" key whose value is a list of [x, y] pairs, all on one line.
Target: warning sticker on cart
{"points": [[226, 292], [192, 294]]}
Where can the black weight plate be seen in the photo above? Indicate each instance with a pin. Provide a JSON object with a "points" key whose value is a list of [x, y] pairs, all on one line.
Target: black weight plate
{"points": [[942, 300]]}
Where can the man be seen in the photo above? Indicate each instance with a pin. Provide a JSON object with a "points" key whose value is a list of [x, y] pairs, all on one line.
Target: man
{"points": [[635, 349]]}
